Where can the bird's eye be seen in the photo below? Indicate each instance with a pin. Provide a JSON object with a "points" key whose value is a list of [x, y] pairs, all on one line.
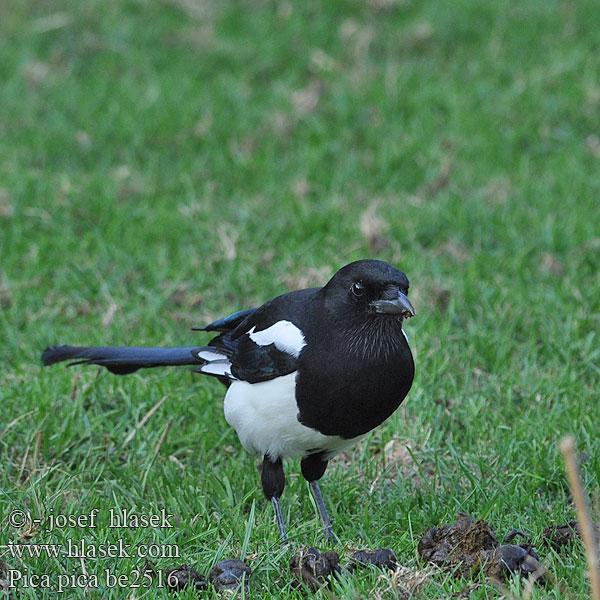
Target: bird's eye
{"points": [[358, 288]]}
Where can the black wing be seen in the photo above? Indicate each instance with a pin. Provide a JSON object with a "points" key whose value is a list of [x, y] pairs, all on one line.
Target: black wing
{"points": [[238, 356]]}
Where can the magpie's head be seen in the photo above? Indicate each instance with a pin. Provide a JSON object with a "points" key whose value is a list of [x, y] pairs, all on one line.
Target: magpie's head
{"points": [[370, 287]]}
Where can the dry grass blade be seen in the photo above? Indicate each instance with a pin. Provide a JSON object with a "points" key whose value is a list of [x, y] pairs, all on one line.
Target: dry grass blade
{"points": [[37, 434], [75, 385], [163, 435], [15, 421], [109, 315], [26, 456], [144, 420], [36, 451], [567, 447], [177, 462]]}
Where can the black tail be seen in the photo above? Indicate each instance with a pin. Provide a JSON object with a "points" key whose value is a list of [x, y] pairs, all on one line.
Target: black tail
{"points": [[120, 360]]}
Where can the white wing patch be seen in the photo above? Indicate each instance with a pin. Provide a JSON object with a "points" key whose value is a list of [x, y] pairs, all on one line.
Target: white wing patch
{"points": [[284, 334], [217, 363], [218, 367], [209, 355]]}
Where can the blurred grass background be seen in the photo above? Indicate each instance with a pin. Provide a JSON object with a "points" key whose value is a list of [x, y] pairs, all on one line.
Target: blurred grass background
{"points": [[166, 162]]}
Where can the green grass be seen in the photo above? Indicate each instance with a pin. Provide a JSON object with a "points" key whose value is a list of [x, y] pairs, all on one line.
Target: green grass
{"points": [[166, 162]]}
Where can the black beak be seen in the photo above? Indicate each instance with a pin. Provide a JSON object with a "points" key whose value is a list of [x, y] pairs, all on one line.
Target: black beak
{"points": [[398, 304]]}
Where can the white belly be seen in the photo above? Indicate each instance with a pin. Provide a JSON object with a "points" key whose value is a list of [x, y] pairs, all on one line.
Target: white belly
{"points": [[264, 416]]}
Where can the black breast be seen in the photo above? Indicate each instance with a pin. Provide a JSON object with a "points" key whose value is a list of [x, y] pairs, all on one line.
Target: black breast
{"points": [[354, 382]]}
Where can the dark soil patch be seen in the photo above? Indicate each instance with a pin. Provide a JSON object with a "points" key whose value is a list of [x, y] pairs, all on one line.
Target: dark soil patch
{"points": [[313, 568], [467, 546], [184, 576], [231, 574], [558, 537], [382, 558]]}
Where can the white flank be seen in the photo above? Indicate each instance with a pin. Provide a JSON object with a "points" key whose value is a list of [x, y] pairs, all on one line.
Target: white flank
{"points": [[265, 417], [284, 334], [405, 337]]}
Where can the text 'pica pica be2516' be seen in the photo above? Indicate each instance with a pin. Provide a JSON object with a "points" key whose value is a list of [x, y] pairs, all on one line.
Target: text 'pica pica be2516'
{"points": [[308, 374]]}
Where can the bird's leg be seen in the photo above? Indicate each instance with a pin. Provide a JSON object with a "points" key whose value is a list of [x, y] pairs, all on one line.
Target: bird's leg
{"points": [[316, 490], [273, 483], [313, 467], [279, 519]]}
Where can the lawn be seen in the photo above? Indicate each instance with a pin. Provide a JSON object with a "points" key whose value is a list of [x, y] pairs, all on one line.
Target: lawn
{"points": [[163, 163]]}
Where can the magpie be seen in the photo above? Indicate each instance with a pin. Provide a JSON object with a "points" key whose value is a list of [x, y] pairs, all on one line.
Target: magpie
{"points": [[308, 374]]}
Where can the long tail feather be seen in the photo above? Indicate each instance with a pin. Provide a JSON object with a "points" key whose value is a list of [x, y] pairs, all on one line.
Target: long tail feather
{"points": [[121, 360]]}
